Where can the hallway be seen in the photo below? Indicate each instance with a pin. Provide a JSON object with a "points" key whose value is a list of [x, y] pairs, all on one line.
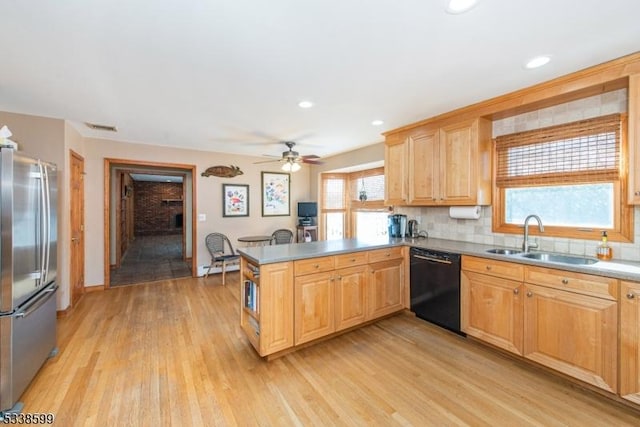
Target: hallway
{"points": [[151, 258]]}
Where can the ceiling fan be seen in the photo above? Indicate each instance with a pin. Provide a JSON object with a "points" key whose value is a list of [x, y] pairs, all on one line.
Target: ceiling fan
{"points": [[291, 159]]}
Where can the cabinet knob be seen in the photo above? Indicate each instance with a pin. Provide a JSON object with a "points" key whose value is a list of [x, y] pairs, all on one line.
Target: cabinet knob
{"points": [[516, 291], [631, 295], [529, 294], [637, 193], [565, 281], [316, 265], [488, 267]]}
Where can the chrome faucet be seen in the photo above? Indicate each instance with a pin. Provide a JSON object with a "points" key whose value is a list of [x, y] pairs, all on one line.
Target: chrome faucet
{"points": [[526, 245]]}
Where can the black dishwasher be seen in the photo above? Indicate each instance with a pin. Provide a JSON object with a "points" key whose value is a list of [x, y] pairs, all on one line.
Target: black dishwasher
{"points": [[435, 287]]}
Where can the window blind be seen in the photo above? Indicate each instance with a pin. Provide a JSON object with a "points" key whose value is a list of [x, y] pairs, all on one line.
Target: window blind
{"points": [[333, 193], [577, 152]]}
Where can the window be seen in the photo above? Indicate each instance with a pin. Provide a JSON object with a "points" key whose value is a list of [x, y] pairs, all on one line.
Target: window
{"points": [[352, 205], [570, 175], [333, 206]]}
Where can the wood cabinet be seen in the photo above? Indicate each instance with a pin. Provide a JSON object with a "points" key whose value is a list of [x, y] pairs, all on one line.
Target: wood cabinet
{"points": [[571, 324], [386, 283], [564, 320], [447, 165], [634, 140], [395, 170], [630, 341], [314, 304], [266, 305], [339, 292], [350, 296], [491, 302]]}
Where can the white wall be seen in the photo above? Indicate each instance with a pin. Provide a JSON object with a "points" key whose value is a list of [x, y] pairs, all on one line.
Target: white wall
{"points": [[208, 195]]}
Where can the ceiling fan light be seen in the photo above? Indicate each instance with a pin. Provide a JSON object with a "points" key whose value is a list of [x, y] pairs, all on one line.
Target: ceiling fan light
{"points": [[295, 167], [286, 167]]}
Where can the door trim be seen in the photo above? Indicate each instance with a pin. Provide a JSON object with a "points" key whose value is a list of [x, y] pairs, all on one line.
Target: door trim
{"points": [[108, 164], [74, 298]]}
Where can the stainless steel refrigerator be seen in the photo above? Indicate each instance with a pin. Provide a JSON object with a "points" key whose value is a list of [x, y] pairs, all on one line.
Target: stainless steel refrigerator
{"points": [[28, 259]]}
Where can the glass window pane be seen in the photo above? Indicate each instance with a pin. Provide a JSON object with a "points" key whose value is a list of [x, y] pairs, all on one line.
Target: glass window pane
{"points": [[579, 206], [373, 187], [371, 225], [333, 194], [334, 222]]}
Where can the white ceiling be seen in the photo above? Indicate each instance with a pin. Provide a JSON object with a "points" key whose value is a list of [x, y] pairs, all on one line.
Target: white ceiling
{"points": [[227, 75]]}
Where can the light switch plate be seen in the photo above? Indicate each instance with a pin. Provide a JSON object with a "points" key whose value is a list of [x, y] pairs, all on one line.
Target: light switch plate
{"points": [[202, 217]]}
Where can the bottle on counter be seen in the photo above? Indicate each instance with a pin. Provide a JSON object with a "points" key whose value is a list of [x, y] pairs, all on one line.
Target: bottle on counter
{"points": [[604, 251]]}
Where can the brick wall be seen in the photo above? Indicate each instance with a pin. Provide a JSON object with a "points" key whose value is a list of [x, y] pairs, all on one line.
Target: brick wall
{"points": [[156, 205]]}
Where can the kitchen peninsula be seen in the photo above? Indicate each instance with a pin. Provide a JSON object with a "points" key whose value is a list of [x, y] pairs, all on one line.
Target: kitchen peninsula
{"points": [[292, 295]]}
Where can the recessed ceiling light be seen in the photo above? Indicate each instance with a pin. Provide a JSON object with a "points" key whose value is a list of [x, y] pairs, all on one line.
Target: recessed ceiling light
{"points": [[460, 6], [538, 61], [377, 122], [305, 104]]}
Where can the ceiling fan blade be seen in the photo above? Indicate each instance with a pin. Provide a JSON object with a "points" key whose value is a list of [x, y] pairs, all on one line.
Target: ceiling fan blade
{"points": [[267, 161], [312, 162], [310, 157]]}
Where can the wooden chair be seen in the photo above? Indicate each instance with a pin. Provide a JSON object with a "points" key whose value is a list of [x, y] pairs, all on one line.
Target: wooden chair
{"points": [[281, 236], [222, 253]]}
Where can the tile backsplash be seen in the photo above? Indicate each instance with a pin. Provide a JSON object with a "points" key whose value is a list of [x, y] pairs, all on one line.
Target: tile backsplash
{"points": [[438, 224]]}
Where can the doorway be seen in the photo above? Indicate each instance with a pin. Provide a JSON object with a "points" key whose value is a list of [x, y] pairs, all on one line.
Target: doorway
{"points": [[150, 228], [76, 202]]}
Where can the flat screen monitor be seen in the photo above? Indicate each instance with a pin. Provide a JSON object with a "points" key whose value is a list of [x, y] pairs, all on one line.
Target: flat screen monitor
{"points": [[307, 209]]}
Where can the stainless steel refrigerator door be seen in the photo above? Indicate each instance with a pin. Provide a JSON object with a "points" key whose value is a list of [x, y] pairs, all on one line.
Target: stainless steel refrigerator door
{"points": [[27, 339], [28, 232]]}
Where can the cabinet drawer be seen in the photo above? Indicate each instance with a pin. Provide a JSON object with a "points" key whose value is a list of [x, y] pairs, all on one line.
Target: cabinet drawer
{"points": [[348, 260], [385, 254], [503, 269], [313, 265], [587, 284]]}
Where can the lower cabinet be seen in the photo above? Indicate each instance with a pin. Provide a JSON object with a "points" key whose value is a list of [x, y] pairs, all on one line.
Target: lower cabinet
{"points": [[350, 297], [630, 341], [328, 298], [564, 320], [313, 302], [572, 333], [385, 288], [491, 310]]}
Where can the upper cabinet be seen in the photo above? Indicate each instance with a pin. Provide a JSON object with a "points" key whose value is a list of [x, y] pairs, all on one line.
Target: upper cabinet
{"points": [[446, 165], [634, 139], [395, 170]]}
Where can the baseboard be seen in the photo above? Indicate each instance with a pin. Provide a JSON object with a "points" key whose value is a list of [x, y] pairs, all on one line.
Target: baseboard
{"points": [[202, 269]]}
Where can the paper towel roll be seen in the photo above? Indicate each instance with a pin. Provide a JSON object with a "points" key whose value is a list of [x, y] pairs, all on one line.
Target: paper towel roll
{"points": [[465, 212]]}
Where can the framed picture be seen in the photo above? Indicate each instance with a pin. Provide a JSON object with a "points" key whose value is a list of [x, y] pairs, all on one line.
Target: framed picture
{"points": [[235, 200], [275, 194]]}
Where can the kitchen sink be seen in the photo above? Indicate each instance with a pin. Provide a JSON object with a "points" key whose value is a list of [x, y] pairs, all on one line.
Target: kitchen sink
{"points": [[563, 259], [504, 251]]}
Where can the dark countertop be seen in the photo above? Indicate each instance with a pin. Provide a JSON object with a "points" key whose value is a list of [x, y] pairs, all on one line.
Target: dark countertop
{"points": [[619, 269]]}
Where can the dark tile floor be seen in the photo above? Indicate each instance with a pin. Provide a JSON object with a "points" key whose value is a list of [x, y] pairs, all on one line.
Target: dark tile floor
{"points": [[151, 258]]}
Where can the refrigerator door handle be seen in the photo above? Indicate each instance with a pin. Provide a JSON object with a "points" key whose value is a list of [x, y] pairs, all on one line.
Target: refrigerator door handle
{"points": [[37, 303], [47, 221], [43, 226]]}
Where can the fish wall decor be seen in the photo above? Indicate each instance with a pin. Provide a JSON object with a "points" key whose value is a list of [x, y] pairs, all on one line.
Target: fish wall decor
{"points": [[223, 171]]}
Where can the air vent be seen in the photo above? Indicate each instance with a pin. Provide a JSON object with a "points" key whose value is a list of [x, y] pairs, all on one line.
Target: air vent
{"points": [[102, 127]]}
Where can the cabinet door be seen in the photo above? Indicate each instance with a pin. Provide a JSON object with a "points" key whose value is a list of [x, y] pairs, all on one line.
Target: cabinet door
{"points": [[314, 314], [630, 341], [634, 139], [350, 299], [395, 170], [276, 307], [457, 162], [423, 167], [572, 333], [385, 288], [491, 310]]}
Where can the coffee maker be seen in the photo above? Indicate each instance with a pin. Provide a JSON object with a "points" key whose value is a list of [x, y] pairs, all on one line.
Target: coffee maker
{"points": [[397, 225]]}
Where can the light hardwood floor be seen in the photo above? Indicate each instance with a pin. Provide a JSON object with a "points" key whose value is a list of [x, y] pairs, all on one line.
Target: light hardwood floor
{"points": [[172, 353]]}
